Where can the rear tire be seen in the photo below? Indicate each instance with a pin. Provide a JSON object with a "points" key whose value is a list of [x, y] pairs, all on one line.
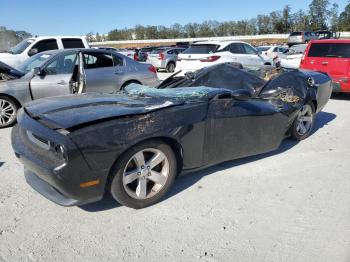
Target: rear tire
{"points": [[8, 111], [143, 174], [304, 123], [170, 68]]}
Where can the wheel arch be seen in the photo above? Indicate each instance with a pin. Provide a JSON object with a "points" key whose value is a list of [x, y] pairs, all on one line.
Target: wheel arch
{"points": [[172, 142], [129, 82], [13, 98]]}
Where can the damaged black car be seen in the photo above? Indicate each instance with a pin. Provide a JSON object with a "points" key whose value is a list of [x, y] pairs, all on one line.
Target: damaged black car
{"points": [[134, 144]]}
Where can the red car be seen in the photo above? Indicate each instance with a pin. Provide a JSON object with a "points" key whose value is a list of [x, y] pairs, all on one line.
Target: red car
{"points": [[331, 57]]}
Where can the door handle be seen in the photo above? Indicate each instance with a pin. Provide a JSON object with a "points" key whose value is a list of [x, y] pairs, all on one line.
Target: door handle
{"points": [[62, 82], [118, 72], [324, 63]]}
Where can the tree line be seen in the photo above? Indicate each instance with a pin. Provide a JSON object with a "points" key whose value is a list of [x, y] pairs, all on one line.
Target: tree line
{"points": [[10, 38], [320, 15]]}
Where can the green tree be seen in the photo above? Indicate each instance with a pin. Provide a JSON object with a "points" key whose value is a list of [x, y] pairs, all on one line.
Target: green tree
{"points": [[318, 11], [344, 19], [300, 21], [286, 19], [334, 17], [264, 24]]}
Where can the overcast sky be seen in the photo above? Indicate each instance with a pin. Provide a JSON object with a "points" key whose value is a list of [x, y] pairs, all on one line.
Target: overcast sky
{"points": [[78, 17]]}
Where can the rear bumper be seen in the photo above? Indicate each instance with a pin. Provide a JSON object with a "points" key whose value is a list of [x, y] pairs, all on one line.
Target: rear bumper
{"points": [[157, 63], [58, 181], [341, 85], [152, 81]]}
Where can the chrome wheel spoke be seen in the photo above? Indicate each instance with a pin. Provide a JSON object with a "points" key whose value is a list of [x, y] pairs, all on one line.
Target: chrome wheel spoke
{"points": [[141, 190], [157, 178], [139, 159], [306, 118], [304, 110], [302, 128], [130, 177], [156, 160]]}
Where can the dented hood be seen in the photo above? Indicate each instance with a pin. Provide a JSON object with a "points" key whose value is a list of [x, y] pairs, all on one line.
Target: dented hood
{"points": [[10, 71], [76, 110]]}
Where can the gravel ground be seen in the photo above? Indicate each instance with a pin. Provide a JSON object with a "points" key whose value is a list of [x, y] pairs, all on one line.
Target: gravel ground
{"points": [[289, 205]]}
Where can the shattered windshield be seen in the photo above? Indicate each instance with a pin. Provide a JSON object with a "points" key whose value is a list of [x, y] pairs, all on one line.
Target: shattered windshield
{"points": [[32, 62], [182, 93]]}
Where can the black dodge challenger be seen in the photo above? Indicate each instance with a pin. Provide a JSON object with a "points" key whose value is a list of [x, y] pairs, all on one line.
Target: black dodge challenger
{"points": [[133, 144]]}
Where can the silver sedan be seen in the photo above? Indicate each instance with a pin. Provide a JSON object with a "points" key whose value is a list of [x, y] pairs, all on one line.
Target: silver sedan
{"points": [[63, 72]]}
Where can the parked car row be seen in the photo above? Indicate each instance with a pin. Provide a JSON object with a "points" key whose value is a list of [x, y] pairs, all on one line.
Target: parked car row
{"points": [[63, 72], [304, 37], [31, 46]]}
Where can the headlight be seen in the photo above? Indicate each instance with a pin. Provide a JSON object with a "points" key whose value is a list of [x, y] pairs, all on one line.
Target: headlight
{"points": [[59, 150]]}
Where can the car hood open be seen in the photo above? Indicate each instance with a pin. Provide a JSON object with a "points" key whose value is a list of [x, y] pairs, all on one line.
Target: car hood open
{"points": [[9, 71], [74, 111]]}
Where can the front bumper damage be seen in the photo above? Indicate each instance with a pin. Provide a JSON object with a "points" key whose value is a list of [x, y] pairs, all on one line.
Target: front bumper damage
{"points": [[58, 180]]}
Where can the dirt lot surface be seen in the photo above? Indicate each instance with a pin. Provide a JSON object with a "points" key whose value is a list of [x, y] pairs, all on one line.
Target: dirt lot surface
{"points": [[289, 205]]}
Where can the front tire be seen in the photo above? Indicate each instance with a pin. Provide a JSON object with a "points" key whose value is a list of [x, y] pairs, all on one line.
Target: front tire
{"points": [[304, 123], [170, 68], [144, 174], [8, 111]]}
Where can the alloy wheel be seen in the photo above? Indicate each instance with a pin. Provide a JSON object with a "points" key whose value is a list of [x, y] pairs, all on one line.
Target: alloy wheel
{"points": [[146, 173], [305, 119], [7, 112]]}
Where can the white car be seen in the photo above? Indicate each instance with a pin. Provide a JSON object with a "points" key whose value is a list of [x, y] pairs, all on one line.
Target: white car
{"points": [[270, 53], [31, 46], [208, 53], [127, 52], [292, 58]]}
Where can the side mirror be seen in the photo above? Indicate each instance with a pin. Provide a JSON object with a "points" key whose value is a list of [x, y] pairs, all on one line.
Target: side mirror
{"points": [[33, 51], [38, 71], [242, 94]]}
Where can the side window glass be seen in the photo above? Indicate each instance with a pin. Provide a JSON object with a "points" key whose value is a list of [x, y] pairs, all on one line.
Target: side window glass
{"points": [[72, 43], [45, 45], [117, 60], [62, 64], [236, 49], [249, 50], [98, 60]]}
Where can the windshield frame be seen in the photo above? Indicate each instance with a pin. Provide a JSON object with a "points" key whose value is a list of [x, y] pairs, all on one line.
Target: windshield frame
{"points": [[31, 62], [21, 46]]}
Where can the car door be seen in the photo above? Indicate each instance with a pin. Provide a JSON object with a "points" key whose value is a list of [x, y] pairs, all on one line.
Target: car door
{"points": [[237, 129], [100, 73], [253, 58], [238, 53], [56, 76]]}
